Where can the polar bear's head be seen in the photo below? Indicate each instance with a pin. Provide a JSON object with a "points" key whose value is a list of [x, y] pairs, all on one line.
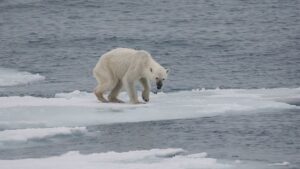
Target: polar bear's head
{"points": [[158, 75]]}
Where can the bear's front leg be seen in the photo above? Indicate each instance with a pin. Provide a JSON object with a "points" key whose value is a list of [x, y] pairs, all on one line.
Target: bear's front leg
{"points": [[146, 91], [129, 85]]}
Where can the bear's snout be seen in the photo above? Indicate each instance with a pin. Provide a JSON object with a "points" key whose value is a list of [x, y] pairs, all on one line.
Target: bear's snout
{"points": [[159, 84]]}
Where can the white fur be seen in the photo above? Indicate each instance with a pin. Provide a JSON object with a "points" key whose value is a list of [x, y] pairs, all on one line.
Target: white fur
{"points": [[123, 66]]}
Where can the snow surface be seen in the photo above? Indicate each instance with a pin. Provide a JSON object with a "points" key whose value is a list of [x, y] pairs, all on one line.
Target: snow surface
{"points": [[82, 108], [11, 77], [38, 133], [142, 159]]}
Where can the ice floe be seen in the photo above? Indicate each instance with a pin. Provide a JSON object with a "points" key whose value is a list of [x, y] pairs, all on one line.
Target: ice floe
{"points": [[82, 108], [280, 164]]}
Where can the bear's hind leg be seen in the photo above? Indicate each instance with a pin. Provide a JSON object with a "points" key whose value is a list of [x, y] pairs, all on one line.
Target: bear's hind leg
{"points": [[99, 91], [105, 85], [115, 92]]}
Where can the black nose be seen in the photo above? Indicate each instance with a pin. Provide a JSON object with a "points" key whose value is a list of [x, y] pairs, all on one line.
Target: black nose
{"points": [[159, 85]]}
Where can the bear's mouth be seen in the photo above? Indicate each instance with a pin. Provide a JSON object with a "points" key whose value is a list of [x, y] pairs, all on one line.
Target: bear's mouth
{"points": [[159, 84]]}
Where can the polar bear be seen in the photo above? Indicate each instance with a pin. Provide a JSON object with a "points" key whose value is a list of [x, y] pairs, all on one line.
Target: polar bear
{"points": [[123, 66]]}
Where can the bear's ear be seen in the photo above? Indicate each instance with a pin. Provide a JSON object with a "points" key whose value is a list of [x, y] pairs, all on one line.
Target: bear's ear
{"points": [[151, 69], [167, 71]]}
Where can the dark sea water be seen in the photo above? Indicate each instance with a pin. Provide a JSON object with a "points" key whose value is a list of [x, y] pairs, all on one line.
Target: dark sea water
{"points": [[229, 44], [205, 43]]}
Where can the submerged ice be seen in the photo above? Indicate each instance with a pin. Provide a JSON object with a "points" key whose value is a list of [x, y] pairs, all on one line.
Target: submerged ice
{"points": [[38, 133], [146, 159], [11, 77]]}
